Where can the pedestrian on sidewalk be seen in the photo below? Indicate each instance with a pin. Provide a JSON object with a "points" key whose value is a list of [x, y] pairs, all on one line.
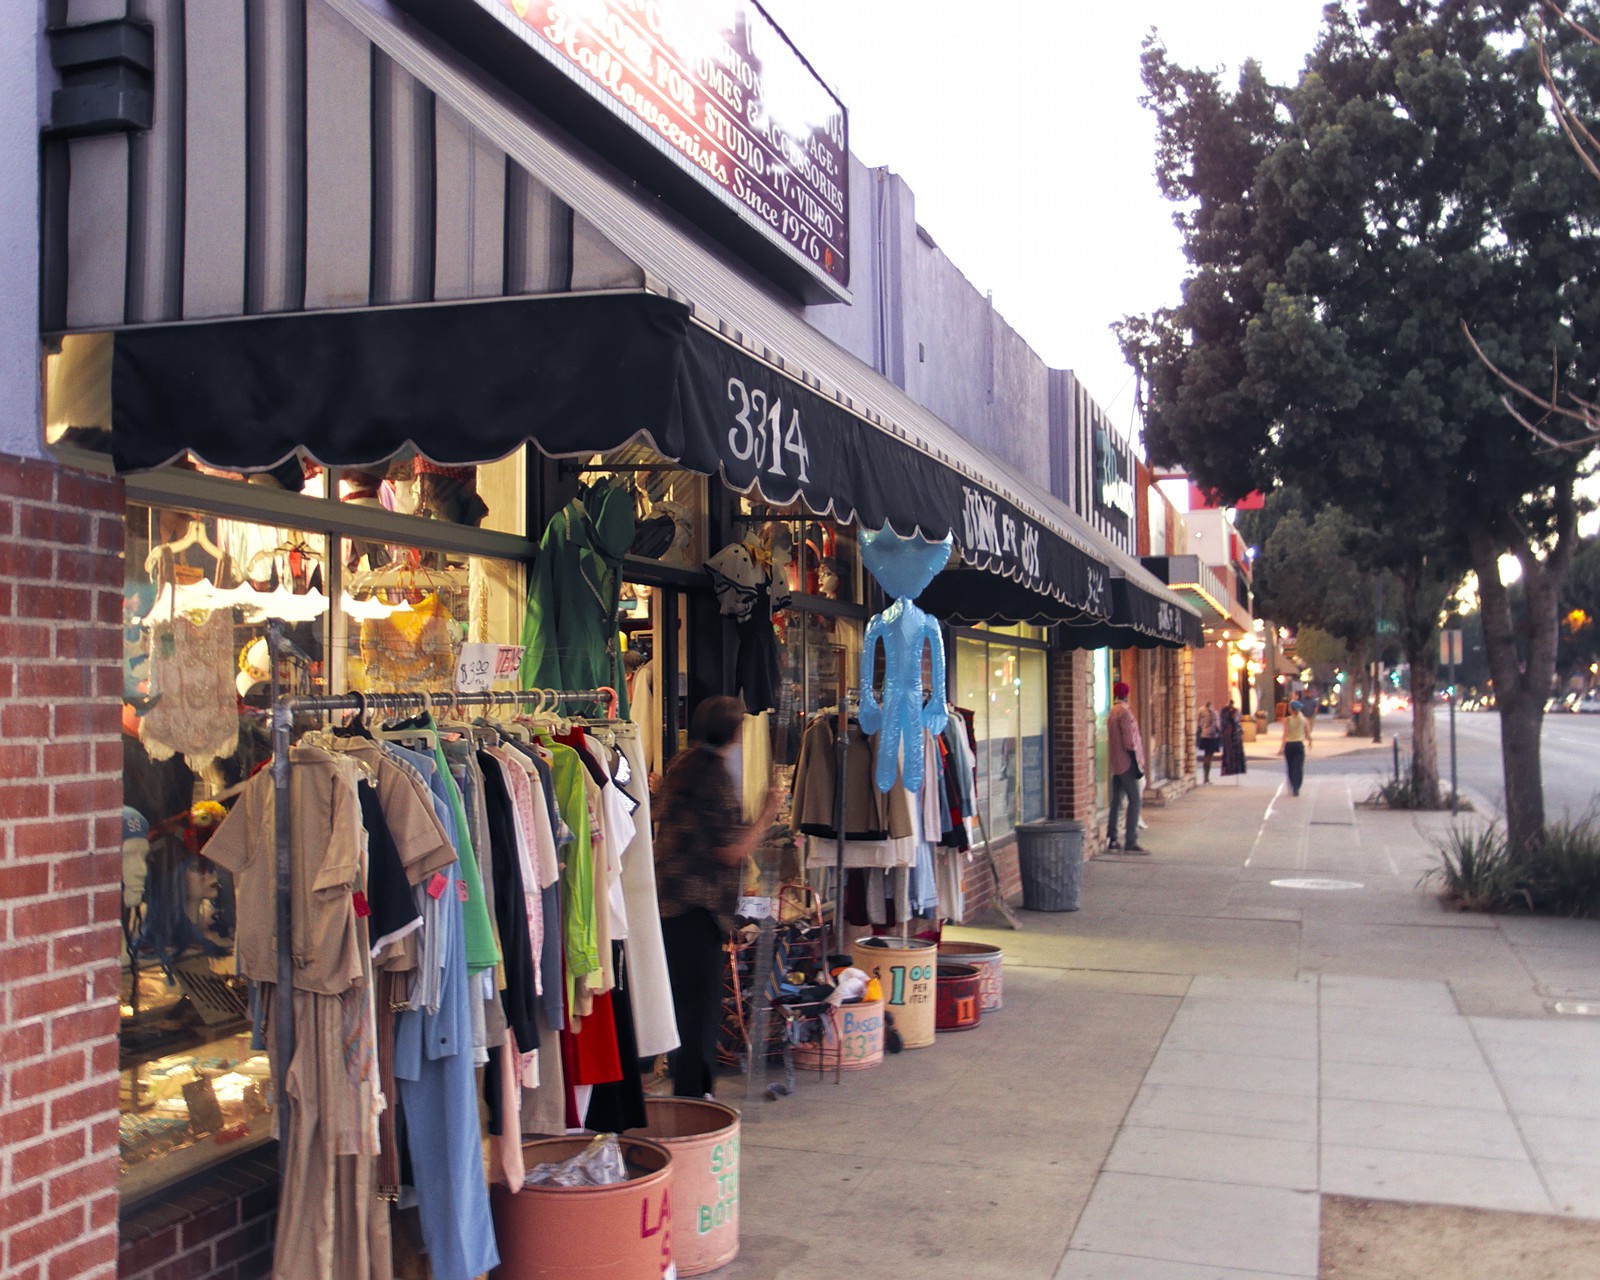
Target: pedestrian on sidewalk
{"points": [[1127, 769], [701, 844], [1208, 738], [1296, 742], [1232, 741]]}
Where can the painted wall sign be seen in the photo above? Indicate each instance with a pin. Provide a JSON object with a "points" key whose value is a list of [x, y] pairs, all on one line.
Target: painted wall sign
{"points": [[1113, 488], [717, 87]]}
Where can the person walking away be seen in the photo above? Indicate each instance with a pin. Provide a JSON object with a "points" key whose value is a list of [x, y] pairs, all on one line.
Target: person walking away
{"points": [[701, 845], [1127, 769], [1296, 742], [1208, 738], [1233, 762]]}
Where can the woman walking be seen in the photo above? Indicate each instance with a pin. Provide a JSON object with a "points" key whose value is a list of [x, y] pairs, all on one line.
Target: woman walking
{"points": [[701, 847], [1208, 738], [1232, 742], [1296, 742]]}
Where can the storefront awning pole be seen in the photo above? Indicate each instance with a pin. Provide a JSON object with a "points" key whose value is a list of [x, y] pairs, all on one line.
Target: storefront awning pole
{"points": [[282, 1016], [841, 749]]}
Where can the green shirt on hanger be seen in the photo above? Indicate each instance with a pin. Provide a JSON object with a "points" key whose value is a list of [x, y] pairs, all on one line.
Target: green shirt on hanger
{"points": [[482, 950], [570, 626], [579, 930]]}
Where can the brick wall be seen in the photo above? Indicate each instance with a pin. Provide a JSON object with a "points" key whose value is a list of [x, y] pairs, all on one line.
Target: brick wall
{"points": [[61, 538], [219, 1229], [1072, 743], [980, 885]]}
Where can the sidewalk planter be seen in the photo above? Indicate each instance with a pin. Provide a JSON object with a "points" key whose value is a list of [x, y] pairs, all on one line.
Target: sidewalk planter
{"points": [[987, 961], [960, 991], [619, 1232], [1050, 856], [859, 1040], [906, 971], [704, 1140]]}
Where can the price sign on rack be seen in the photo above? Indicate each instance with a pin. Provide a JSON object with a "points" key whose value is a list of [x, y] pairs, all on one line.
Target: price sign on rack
{"points": [[480, 665]]}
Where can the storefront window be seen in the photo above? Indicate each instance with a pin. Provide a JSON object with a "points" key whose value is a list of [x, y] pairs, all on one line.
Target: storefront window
{"points": [[1000, 677], [198, 594], [1101, 660], [669, 503], [818, 558], [819, 659]]}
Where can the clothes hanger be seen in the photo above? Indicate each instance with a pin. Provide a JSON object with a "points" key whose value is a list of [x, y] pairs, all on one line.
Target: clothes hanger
{"points": [[356, 726], [420, 731], [194, 536], [407, 576], [511, 725]]}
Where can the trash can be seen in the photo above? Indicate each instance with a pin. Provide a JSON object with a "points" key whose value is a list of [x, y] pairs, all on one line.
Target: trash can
{"points": [[1050, 855]]}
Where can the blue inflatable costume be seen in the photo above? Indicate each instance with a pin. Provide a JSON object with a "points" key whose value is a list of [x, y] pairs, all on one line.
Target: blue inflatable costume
{"points": [[903, 568]]}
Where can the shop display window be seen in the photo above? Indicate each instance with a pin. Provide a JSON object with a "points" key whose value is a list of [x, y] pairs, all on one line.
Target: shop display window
{"points": [[817, 557], [1104, 678], [669, 504], [1000, 676], [199, 590]]}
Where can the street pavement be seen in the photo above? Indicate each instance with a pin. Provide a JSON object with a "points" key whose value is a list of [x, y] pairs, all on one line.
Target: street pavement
{"points": [[1264, 1009], [1569, 745]]}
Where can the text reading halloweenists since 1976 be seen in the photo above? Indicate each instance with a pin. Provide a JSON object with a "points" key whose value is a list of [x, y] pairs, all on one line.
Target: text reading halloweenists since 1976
{"points": [[717, 83]]}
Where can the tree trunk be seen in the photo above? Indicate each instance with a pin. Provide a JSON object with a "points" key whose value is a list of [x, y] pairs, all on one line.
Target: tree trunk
{"points": [[1522, 678], [1523, 769], [1424, 738], [1421, 598]]}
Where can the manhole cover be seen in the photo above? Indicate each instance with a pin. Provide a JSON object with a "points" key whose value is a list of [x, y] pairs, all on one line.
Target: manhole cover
{"points": [[1575, 1008], [1317, 884]]}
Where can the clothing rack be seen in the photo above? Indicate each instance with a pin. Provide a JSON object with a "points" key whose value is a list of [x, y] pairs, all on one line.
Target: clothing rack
{"points": [[284, 708]]}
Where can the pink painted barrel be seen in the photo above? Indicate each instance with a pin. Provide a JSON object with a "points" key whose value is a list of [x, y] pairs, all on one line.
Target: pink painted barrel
{"points": [[618, 1232], [858, 1039], [986, 960], [703, 1137]]}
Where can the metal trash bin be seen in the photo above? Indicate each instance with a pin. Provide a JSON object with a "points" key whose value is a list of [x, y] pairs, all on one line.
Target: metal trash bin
{"points": [[1050, 855]]}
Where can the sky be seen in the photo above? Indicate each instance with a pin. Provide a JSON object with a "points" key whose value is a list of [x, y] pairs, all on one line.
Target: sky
{"points": [[1017, 125]]}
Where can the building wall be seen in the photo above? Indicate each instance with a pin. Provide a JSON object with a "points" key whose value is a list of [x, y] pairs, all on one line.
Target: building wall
{"points": [[20, 53], [1072, 741], [923, 325], [1211, 677], [61, 539], [221, 1229]]}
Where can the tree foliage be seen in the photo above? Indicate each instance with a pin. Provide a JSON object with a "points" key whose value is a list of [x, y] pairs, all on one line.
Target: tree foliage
{"points": [[1340, 231]]}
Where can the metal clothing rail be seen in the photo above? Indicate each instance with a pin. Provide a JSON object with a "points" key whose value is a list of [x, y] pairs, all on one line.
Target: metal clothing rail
{"points": [[284, 709]]}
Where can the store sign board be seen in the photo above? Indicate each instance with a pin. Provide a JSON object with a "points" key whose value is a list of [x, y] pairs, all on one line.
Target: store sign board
{"points": [[716, 86], [1113, 490]]}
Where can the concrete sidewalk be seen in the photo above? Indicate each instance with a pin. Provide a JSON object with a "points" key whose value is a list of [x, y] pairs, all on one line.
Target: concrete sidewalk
{"points": [[1264, 1009]]}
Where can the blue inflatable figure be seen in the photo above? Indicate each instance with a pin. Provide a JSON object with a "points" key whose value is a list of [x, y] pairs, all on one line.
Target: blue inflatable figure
{"points": [[903, 568]]}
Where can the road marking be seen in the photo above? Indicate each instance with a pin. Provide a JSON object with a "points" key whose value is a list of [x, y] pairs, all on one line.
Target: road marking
{"points": [[1262, 829]]}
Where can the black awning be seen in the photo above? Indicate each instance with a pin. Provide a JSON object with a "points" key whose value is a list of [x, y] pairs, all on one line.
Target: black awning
{"points": [[967, 595], [1139, 620], [469, 382]]}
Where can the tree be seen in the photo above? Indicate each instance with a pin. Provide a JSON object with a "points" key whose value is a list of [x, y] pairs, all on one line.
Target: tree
{"points": [[1579, 648], [1339, 232]]}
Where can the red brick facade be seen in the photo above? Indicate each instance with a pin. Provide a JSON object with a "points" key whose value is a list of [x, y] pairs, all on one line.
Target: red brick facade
{"points": [[220, 1230], [61, 538], [1072, 741]]}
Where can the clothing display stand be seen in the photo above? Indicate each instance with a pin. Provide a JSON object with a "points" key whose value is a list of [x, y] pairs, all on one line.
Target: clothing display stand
{"points": [[284, 710]]}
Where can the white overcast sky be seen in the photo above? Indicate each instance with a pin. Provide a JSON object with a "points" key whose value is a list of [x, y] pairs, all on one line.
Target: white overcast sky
{"points": [[1017, 125]]}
